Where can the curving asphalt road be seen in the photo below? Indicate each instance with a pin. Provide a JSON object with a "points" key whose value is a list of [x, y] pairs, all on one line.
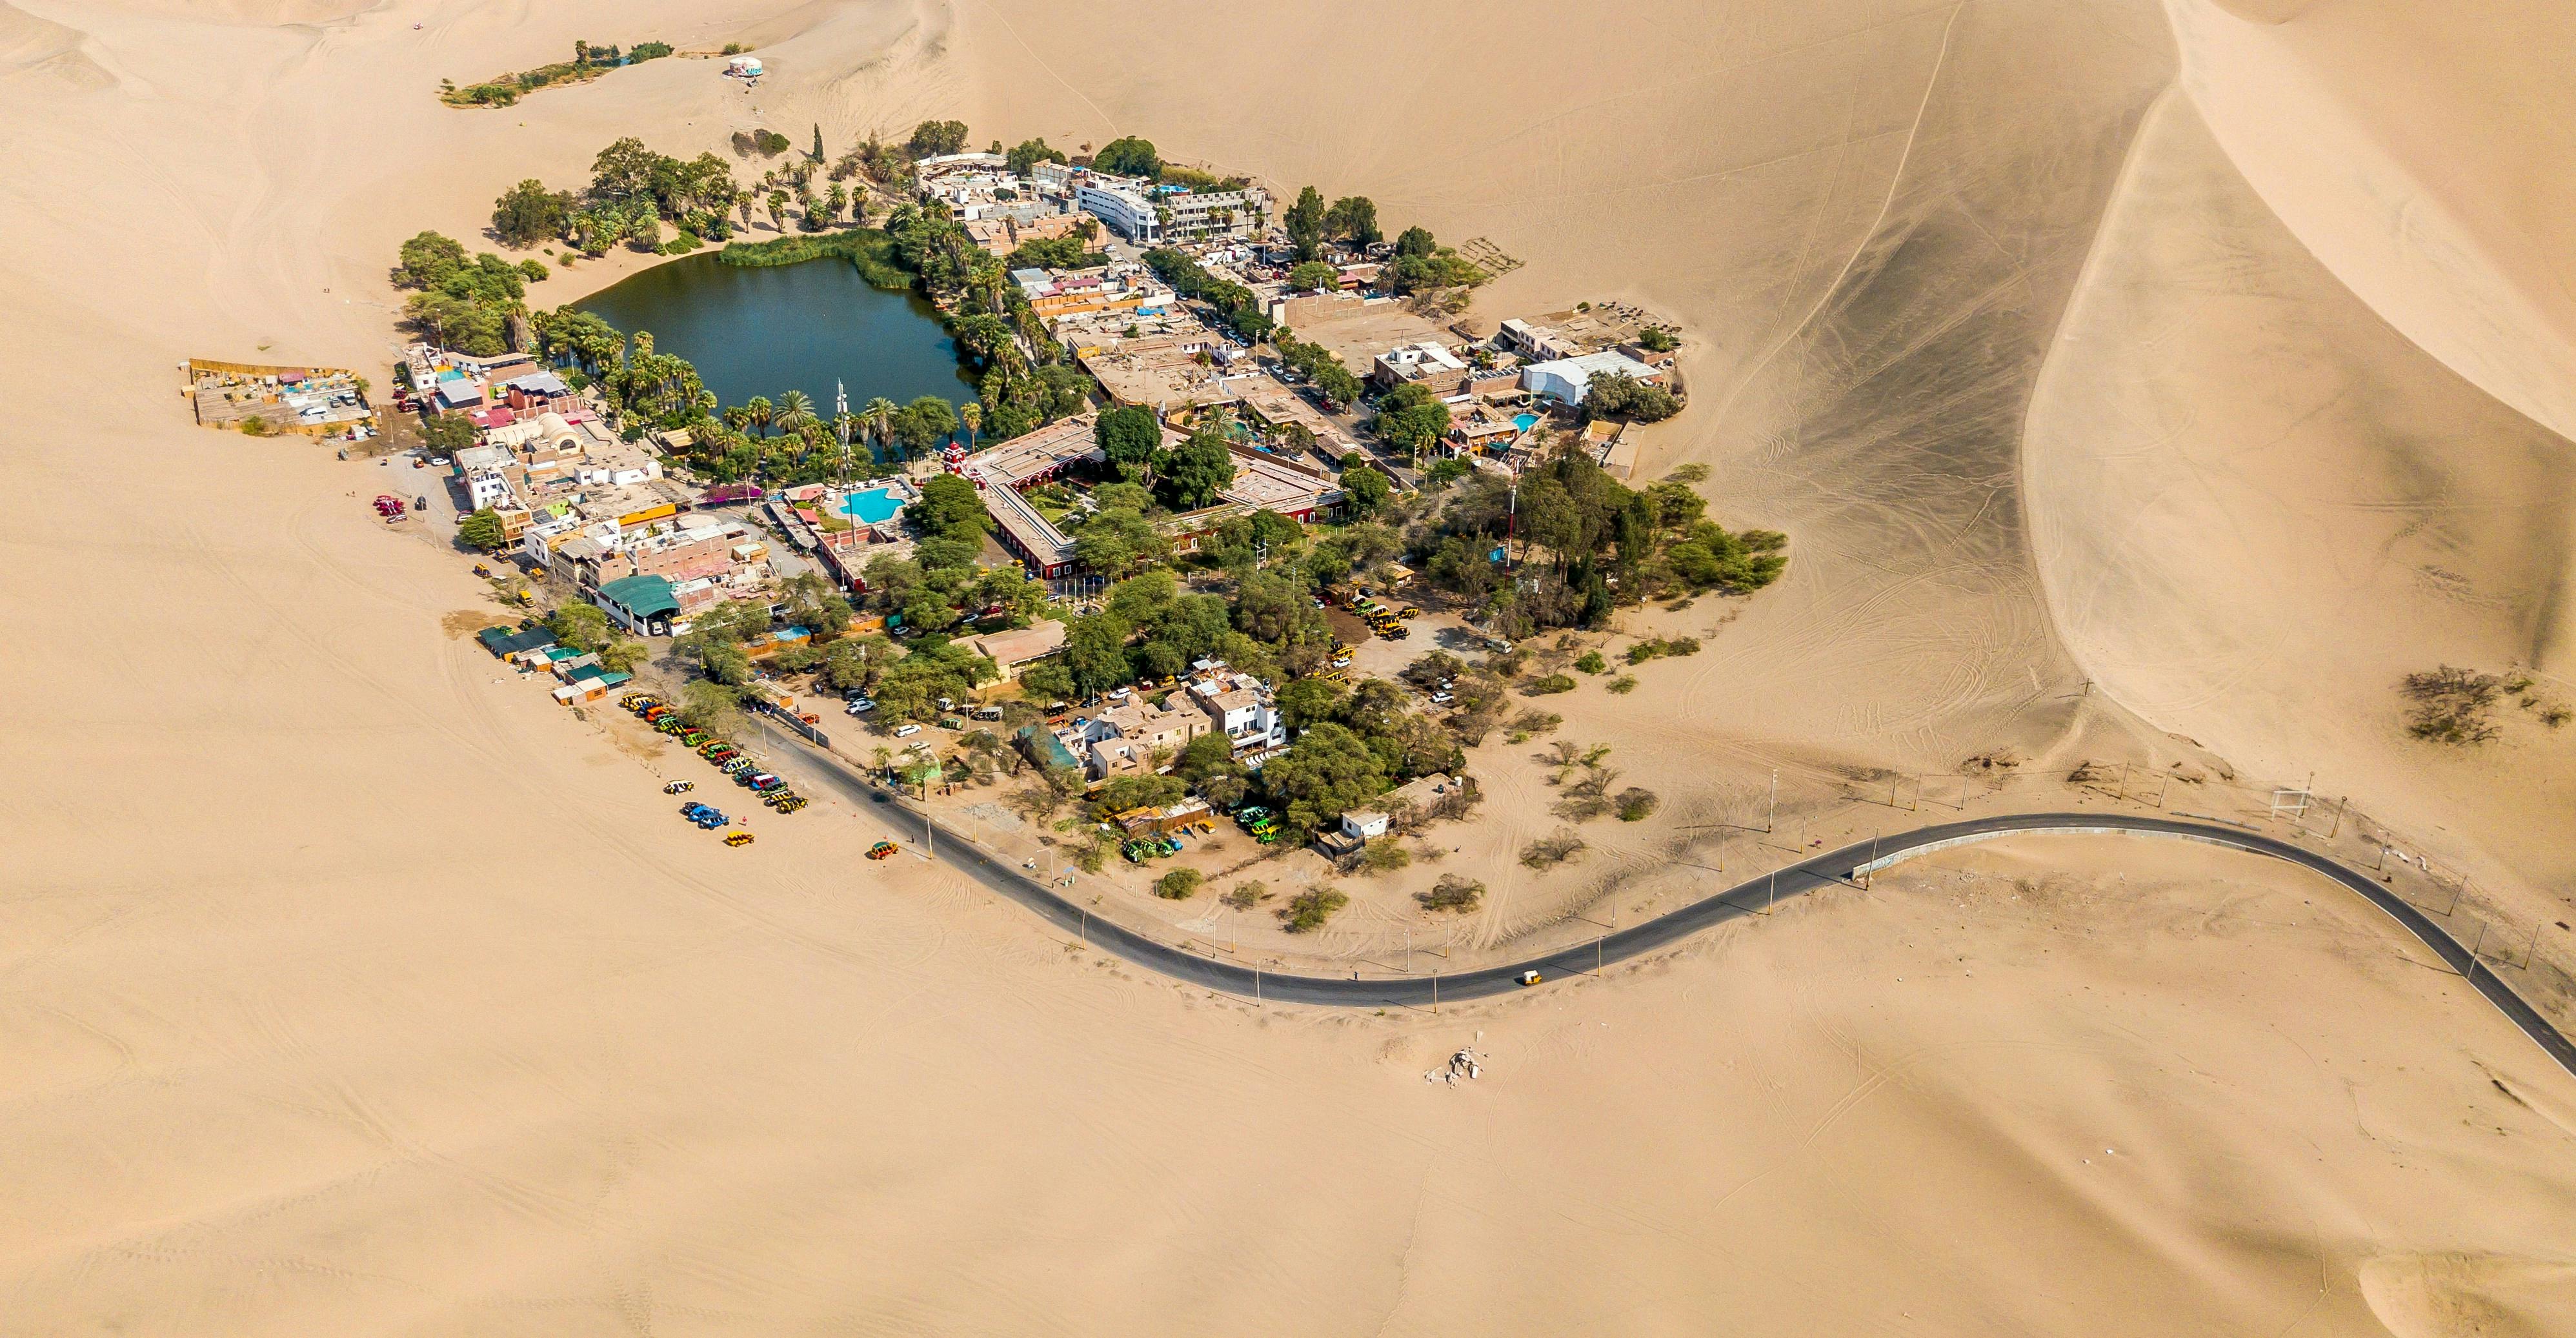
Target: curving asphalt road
{"points": [[1833, 869]]}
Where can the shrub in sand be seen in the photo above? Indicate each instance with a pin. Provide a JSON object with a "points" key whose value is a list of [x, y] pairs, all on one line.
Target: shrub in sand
{"points": [[1307, 911], [1385, 856], [1549, 851], [1553, 683], [1530, 724], [1178, 885], [1246, 895], [1452, 893], [1623, 684], [1636, 805], [2451, 705]]}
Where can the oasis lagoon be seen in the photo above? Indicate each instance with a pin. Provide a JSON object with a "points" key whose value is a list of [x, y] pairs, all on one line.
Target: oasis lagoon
{"points": [[765, 330]]}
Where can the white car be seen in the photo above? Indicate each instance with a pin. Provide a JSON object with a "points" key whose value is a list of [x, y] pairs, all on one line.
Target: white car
{"points": [[907, 731], [1440, 699]]}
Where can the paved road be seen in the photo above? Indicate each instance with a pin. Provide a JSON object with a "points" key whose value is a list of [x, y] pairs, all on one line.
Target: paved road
{"points": [[819, 770]]}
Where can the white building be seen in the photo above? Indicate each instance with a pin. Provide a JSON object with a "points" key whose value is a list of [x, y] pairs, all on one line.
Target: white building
{"points": [[1114, 202], [1241, 708], [1569, 379]]}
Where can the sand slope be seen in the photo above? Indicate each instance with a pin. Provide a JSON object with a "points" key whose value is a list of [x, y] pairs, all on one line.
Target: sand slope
{"points": [[347, 989]]}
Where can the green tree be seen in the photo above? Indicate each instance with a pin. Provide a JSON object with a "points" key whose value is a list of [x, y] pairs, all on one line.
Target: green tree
{"points": [[1198, 471], [1305, 223], [1117, 541], [950, 505], [1129, 436], [1416, 243], [1328, 771], [1367, 489], [1129, 156], [1029, 154], [818, 141], [1315, 276], [925, 424], [1048, 682], [1178, 885], [1411, 418], [623, 656], [1095, 653], [582, 626], [935, 139], [815, 604], [1354, 217], [483, 531], [528, 213]]}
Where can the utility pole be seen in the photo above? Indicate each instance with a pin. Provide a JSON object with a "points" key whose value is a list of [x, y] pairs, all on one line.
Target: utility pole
{"points": [[1772, 822]]}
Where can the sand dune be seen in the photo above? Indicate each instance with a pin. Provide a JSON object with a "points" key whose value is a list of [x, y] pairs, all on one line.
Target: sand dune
{"points": [[2257, 560], [349, 989]]}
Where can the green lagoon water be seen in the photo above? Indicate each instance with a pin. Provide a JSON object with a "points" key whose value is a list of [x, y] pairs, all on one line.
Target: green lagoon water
{"points": [[764, 331]]}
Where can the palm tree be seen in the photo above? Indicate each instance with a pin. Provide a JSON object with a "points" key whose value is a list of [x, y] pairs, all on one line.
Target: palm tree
{"points": [[795, 411], [738, 417], [972, 415], [758, 411], [880, 412]]}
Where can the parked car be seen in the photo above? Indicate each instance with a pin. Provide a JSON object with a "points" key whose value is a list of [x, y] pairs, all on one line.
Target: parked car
{"points": [[738, 839], [679, 787], [1441, 699], [907, 731]]}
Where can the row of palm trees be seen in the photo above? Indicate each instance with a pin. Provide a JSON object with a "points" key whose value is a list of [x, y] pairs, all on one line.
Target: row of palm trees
{"points": [[794, 411]]}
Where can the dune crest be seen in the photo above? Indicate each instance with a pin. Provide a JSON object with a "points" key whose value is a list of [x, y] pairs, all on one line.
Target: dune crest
{"points": [[30, 44], [2419, 153]]}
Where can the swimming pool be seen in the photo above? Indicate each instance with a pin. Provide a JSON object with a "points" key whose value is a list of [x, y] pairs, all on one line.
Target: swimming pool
{"points": [[1524, 421], [871, 507]]}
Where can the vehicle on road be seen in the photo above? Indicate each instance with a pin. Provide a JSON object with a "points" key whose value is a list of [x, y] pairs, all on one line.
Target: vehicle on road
{"points": [[481, 569], [882, 849], [679, 787], [1527, 978], [738, 839]]}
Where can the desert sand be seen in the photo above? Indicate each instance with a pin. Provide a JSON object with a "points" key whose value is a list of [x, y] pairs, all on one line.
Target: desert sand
{"points": [[349, 986]]}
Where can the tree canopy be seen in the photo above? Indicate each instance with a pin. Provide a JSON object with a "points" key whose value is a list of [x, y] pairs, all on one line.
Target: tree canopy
{"points": [[1129, 156]]}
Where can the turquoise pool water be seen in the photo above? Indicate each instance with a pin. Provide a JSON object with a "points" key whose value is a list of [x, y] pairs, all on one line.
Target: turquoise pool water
{"points": [[1524, 421], [874, 506]]}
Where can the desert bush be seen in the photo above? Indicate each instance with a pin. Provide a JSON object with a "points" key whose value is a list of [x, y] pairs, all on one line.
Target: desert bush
{"points": [[1245, 895], [1549, 686], [1530, 724], [1636, 805], [1452, 893], [1178, 885], [1623, 684], [1654, 648], [1307, 911], [1549, 851], [254, 426], [1384, 856], [1592, 663], [2451, 705]]}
